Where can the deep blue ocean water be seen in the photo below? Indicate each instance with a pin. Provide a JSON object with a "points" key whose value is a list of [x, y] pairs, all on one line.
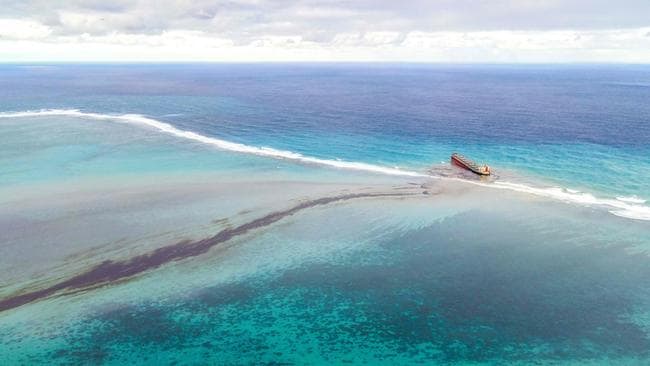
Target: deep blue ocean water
{"points": [[584, 127], [470, 277]]}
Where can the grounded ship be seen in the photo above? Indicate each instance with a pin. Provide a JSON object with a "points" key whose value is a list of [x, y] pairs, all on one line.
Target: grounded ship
{"points": [[463, 162]]}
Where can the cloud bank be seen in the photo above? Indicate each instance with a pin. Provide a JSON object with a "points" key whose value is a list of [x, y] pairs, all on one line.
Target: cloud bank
{"points": [[364, 30]]}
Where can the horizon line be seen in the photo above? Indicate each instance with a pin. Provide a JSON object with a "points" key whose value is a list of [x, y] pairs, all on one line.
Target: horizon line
{"points": [[377, 62]]}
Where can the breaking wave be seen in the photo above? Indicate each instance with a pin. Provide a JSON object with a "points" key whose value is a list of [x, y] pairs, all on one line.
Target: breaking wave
{"points": [[222, 144], [631, 199], [628, 207], [615, 206]]}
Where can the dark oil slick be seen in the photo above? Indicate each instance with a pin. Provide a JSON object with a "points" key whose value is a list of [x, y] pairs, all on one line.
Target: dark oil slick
{"points": [[446, 297], [111, 271]]}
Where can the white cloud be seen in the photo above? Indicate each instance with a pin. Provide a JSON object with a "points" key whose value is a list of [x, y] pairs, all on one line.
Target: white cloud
{"points": [[486, 46], [23, 29], [265, 30]]}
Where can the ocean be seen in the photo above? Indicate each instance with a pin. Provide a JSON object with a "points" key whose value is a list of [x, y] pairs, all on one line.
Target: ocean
{"points": [[308, 214]]}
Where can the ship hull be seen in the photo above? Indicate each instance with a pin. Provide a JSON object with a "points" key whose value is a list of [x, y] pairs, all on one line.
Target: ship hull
{"points": [[455, 160]]}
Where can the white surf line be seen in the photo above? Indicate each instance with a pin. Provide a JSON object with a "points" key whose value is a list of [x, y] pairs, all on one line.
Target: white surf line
{"points": [[222, 144], [622, 208], [631, 199], [614, 206]]}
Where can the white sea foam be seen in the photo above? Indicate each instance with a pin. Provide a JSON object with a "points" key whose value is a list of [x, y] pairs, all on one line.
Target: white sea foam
{"points": [[617, 207], [222, 144], [628, 207], [631, 199]]}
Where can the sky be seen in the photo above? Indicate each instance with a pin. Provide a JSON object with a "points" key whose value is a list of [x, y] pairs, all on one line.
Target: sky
{"points": [[467, 31]]}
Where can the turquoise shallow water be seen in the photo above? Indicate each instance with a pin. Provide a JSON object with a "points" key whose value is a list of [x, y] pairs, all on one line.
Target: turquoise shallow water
{"points": [[439, 280], [581, 127], [464, 275], [120, 188]]}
